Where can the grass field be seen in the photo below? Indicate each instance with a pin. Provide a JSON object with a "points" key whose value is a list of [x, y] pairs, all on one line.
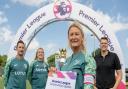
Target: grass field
{"points": [[28, 85], [2, 84]]}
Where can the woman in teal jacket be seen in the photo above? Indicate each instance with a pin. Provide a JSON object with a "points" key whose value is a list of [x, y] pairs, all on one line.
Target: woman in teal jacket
{"points": [[38, 71], [79, 61]]}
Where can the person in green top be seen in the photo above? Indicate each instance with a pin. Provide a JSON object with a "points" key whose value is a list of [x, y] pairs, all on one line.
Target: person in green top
{"points": [[38, 71], [15, 73], [80, 62]]}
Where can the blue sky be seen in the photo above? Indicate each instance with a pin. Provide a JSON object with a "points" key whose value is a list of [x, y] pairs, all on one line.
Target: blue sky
{"points": [[14, 12]]}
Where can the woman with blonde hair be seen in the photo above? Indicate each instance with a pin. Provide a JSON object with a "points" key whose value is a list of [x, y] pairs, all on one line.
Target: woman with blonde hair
{"points": [[79, 62], [38, 71]]}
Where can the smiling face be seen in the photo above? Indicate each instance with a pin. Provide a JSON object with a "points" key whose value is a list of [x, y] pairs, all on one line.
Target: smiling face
{"points": [[20, 49], [104, 45], [75, 37], [40, 54]]}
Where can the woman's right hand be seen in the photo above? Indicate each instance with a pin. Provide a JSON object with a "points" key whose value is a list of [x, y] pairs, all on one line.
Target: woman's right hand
{"points": [[52, 71]]}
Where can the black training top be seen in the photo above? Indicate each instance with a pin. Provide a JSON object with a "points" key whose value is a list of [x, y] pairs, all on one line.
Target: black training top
{"points": [[105, 72]]}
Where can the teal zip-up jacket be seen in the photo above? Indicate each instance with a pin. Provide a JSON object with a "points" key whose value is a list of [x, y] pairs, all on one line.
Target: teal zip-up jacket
{"points": [[82, 64], [37, 75], [15, 74]]}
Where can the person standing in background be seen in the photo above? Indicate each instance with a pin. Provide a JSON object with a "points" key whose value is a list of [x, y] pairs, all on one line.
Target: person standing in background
{"points": [[38, 71], [15, 73], [107, 64]]}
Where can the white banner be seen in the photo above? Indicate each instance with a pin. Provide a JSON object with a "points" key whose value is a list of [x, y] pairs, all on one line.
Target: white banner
{"points": [[62, 80]]}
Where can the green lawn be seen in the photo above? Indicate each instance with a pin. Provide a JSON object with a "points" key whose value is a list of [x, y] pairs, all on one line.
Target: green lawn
{"points": [[1, 83]]}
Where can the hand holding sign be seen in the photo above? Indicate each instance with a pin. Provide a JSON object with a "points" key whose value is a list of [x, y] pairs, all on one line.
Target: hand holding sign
{"points": [[62, 80]]}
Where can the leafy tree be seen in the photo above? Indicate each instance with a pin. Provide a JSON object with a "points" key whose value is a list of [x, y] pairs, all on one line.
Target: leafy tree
{"points": [[51, 59], [3, 59], [96, 52]]}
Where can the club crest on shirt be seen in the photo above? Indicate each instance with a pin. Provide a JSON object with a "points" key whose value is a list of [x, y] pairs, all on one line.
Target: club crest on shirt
{"points": [[44, 66], [37, 65], [15, 65], [65, 63], [76, 62], [25, 66]]}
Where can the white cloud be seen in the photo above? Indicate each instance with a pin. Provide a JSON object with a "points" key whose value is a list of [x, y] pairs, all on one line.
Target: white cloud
{"points": [[105, 16], [115, 22], [5, 33], [3, 18], [89, 3], [36, 3], [127, 42], [56, 0], [33, 45], [6, 6], [75, 0], [31, 2], [51, 47], [119, 26]]}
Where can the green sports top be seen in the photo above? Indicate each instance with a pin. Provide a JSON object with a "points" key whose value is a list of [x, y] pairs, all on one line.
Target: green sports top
{"points": [[37, 75], [82, 64], [15, 74]]}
